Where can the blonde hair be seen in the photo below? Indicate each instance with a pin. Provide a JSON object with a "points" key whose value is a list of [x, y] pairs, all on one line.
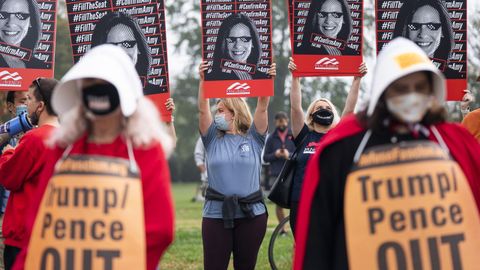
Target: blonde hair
{"points": [[142, 128], [242, 115], [309, 118]]}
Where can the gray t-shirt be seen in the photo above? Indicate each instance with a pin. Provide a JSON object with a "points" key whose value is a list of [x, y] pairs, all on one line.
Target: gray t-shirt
{"points": [[234, 165]]}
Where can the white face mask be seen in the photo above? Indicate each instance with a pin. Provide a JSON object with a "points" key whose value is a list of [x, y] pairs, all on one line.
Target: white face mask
{"points": [[409, 108]]}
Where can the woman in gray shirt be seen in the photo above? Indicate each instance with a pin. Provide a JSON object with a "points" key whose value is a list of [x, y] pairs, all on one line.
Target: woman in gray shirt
{"points": [[234, 215]]}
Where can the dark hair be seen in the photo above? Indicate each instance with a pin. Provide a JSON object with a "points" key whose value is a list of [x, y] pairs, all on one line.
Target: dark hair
{"points": [[376, 122], [312, 18], [281, 115], [223, 32], [33, 35], [112, 19], [405, 16], [11, 97], [43, 89]]}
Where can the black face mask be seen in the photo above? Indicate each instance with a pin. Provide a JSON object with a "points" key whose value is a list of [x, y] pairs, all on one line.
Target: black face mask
{"points": [[282, 128], [323, 117], [101, 99]]}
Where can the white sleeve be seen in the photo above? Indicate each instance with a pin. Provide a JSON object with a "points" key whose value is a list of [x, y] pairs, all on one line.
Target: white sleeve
{"points": [[199, 153]]}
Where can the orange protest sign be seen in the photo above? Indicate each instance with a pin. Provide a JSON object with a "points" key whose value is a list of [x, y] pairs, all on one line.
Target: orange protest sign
{"points": [[409, 206], [91, 217]]}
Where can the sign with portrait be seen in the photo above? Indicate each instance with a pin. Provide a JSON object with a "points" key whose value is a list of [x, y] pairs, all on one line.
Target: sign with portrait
{"points": [[409, 206], [27, 42], [439, 27], [290, 19], [237, 45], [91, 217], [137, 26], [327, 37]]}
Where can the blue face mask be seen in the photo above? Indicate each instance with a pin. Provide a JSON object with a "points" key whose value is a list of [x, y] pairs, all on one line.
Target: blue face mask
{"points": [[221, 123]]}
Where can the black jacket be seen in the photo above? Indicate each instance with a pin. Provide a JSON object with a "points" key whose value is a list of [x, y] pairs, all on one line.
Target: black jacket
{"points": [[272, 145]]}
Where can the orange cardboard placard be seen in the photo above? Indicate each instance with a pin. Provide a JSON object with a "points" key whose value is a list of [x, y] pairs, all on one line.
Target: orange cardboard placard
{"points": [[410, 207], [91, 217]]}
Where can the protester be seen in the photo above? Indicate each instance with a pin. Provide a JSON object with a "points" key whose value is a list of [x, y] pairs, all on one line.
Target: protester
{"points": [[105, 123], [16, 104], [20, 167], [234, 214], [20, 27], [404, 111], [200, 157], [307, 130], [278, 148]]}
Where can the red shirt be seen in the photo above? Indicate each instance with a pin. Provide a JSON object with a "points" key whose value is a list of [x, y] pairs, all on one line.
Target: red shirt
{"points": [[157, 197], [19, 172]]}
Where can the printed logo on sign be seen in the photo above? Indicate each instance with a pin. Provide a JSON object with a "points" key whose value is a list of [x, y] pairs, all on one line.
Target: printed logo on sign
{"points": [[10, 79], [327, 64], [238, 89]]}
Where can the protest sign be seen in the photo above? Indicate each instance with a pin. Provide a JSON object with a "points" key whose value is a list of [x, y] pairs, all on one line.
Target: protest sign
{"points": [[91, 217], [327, 37], [237, 45], [439, 27], [137, 26], [27, 42], [409, 206]]}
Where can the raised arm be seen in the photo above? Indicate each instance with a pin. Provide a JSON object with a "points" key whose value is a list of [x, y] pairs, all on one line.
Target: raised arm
{"points": [[260, 118], [352, 96], [296, 112], [204, 115], [170, 105]]}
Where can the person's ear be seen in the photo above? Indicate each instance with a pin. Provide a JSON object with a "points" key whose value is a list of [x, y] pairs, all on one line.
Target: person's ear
{"points": [[42, 107]]}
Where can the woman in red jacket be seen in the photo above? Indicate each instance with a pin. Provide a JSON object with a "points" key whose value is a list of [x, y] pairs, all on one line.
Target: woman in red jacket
{"points": [[105, 196], [394, 186]]}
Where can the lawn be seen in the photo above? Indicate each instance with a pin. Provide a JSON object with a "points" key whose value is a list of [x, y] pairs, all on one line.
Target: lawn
{"points": [[186, 251]]}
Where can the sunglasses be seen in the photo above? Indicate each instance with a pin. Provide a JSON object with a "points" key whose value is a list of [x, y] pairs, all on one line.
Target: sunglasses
{"points": [[324, 14], [39, 88], [20, 15], [430, 26], [236, 39], [127, 44]]}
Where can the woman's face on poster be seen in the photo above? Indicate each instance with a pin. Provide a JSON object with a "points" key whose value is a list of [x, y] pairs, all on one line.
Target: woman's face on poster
{"points": [[425, 29], [122, 36], [239, 43], [14, 21], [330, 18]]}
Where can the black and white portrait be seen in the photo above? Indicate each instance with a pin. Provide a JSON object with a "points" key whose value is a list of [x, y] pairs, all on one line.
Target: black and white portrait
{"points": [[427, 23], [237, 50], [120, 29], [20, 32], [327, 29]]}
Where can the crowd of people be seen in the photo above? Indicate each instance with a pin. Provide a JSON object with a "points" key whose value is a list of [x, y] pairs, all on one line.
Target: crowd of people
{"points": [[99, 151]]}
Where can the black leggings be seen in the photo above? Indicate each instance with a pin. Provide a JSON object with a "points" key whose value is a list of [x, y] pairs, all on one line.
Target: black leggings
{"points": [[293, 216], [9, 255], [243, 240]]}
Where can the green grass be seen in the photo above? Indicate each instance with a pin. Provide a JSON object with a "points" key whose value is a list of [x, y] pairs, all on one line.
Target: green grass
{"points": [[187, 253]]}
